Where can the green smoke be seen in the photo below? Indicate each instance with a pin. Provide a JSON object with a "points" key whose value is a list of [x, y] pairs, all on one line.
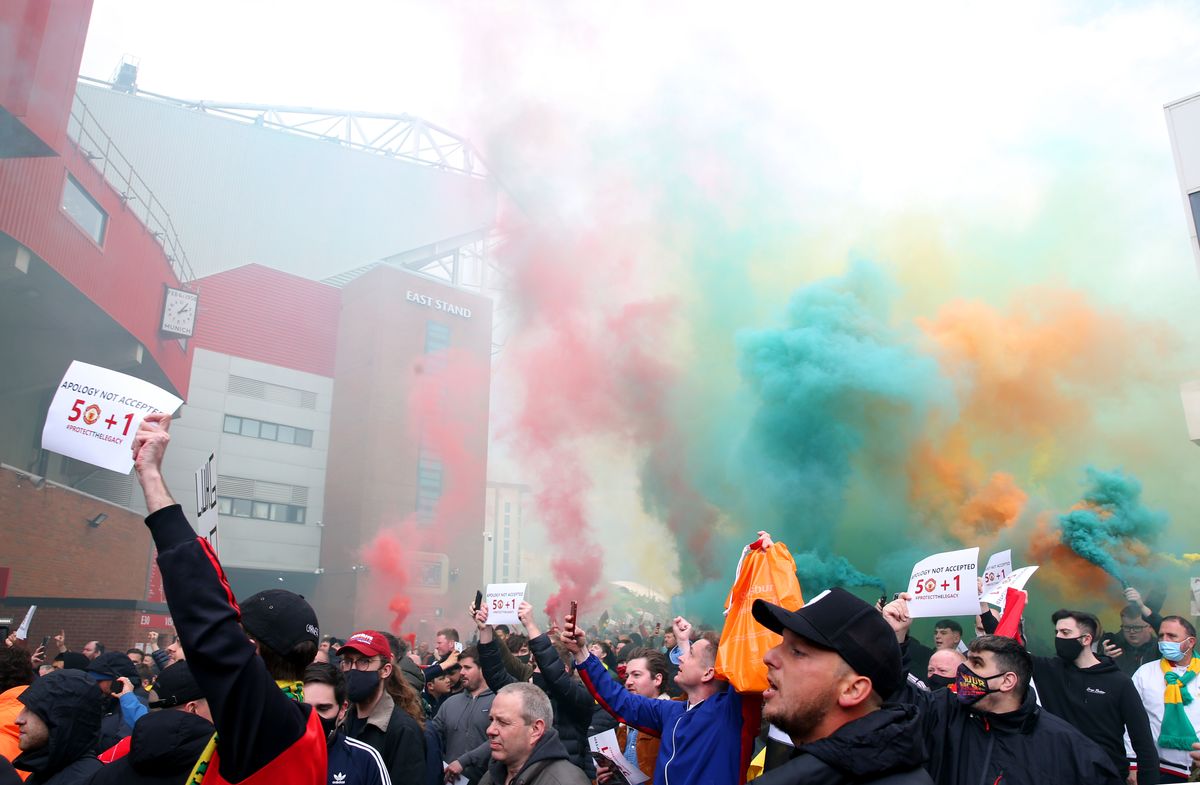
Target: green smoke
{"points": [[1115, 516]]}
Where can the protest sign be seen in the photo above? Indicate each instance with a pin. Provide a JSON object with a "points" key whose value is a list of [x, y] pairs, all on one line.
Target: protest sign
{"points": [[999, 593], [23, 630], [503, 599], [604, 746], [945, 584], [1195, 596], [206, 503], [96, 412], [998, 568]]}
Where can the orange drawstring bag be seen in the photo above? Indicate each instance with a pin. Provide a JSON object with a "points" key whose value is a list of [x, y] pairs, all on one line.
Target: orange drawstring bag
{"points": [[765, 572]]}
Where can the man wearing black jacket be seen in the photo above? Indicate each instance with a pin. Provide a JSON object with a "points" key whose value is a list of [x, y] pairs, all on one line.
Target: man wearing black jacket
{"points": [[58, 728], [166, 744], [265, 735], [1094, 695], [827, 679], [571, 702], [351, 762], [992, 730], [374, 717], [1137, 642]]}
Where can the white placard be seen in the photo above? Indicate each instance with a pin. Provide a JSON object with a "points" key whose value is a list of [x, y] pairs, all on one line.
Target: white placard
{"points": [[998, 568], [23, 630], [998, 596], [503, 599], [1195, 596], [460, 780], [605, 744], [945, 584], [96, 412], [206, 502]]}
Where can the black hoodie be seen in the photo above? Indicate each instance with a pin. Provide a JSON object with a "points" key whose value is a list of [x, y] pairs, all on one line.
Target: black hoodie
{"points": [[163, 750], [1102, 703], [1027, 746], [548, 764], [885, 746], [8, 775], [68, 701]]}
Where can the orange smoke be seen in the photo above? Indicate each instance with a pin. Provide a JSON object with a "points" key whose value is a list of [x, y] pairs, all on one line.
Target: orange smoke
{"points": [[1022, 378], [1029, 373], [951, 486]]}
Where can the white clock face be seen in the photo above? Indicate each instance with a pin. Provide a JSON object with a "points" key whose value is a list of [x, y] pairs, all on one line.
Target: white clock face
{"points": [[179, 312]]}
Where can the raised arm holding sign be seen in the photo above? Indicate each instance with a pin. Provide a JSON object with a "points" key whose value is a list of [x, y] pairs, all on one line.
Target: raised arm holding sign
{"points": [[96, 412], [503, 602]]}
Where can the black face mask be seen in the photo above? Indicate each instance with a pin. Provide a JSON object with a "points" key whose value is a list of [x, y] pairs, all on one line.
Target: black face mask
{"points": [[936, 682], [361, 685], [525, 658], [329, 726], [1068, 649], [971, 687]]}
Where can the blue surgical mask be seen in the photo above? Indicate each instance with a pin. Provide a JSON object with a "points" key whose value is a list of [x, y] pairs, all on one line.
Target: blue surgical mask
{"points": [[1171, 650]]}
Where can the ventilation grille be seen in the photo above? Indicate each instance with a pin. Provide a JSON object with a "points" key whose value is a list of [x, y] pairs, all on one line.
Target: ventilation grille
{"points": [[275, 393], [260, 490]]}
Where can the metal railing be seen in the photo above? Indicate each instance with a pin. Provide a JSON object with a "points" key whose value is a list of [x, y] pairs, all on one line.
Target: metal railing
{"points": [[98, 147]]}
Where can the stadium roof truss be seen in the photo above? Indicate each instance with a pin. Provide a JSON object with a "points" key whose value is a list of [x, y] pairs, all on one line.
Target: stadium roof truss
{"points": [[400, 136]]}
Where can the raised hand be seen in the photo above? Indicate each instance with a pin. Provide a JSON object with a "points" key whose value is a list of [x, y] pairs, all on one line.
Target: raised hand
{"points": [[525, 615], [574, 639], [486, 631], [895, 613]]}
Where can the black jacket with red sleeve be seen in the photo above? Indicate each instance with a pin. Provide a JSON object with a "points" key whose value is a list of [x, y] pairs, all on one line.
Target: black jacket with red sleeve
{"points": [[262, 735]]}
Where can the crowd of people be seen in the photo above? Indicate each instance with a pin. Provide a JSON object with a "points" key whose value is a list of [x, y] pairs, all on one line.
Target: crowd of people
{"points": [[251, 692]]}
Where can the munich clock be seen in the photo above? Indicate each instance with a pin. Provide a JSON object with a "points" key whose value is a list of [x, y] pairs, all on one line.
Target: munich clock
{"points": [[179, 312]]}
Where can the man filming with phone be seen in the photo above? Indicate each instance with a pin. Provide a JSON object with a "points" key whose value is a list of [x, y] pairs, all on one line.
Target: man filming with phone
{"points": [[701, 739]]}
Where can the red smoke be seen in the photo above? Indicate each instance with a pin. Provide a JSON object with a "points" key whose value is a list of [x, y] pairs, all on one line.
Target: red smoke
{"points": [[589, 369], [444, 411]]}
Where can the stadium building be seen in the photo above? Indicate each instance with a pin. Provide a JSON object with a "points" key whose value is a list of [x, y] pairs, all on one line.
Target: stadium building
{"points": [[333, 262], [1183, 123]]}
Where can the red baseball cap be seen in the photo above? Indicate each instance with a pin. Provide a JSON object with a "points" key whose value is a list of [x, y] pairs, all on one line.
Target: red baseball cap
{"points": [[369, 643]]}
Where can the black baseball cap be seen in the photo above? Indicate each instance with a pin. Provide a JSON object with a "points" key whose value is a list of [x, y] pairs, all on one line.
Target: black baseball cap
{"points": [[175, 686], [279, 619], [839, 621], [111, 665]]}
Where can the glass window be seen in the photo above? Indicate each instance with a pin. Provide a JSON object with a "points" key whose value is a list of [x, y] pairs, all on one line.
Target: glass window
{"points": [[261, 510], [233, 424], [298, 514], [224, 505], [267, 431], [287, 434], [84, 210], [437, 337], [1194, 200], [241, 508], [304, 437], [279, 512], [250, 428]]}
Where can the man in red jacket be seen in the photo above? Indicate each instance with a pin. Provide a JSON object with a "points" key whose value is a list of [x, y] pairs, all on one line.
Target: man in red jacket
{"points": [[249, 661]]}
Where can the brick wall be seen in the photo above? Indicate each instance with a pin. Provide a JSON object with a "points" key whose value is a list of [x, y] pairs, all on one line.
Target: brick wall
{"points": [[117, 629], [89, 581], [52, 551]]}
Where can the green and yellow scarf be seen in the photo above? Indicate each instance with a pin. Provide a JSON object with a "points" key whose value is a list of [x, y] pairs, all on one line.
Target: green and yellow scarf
{"points": [[1177, 732]]}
